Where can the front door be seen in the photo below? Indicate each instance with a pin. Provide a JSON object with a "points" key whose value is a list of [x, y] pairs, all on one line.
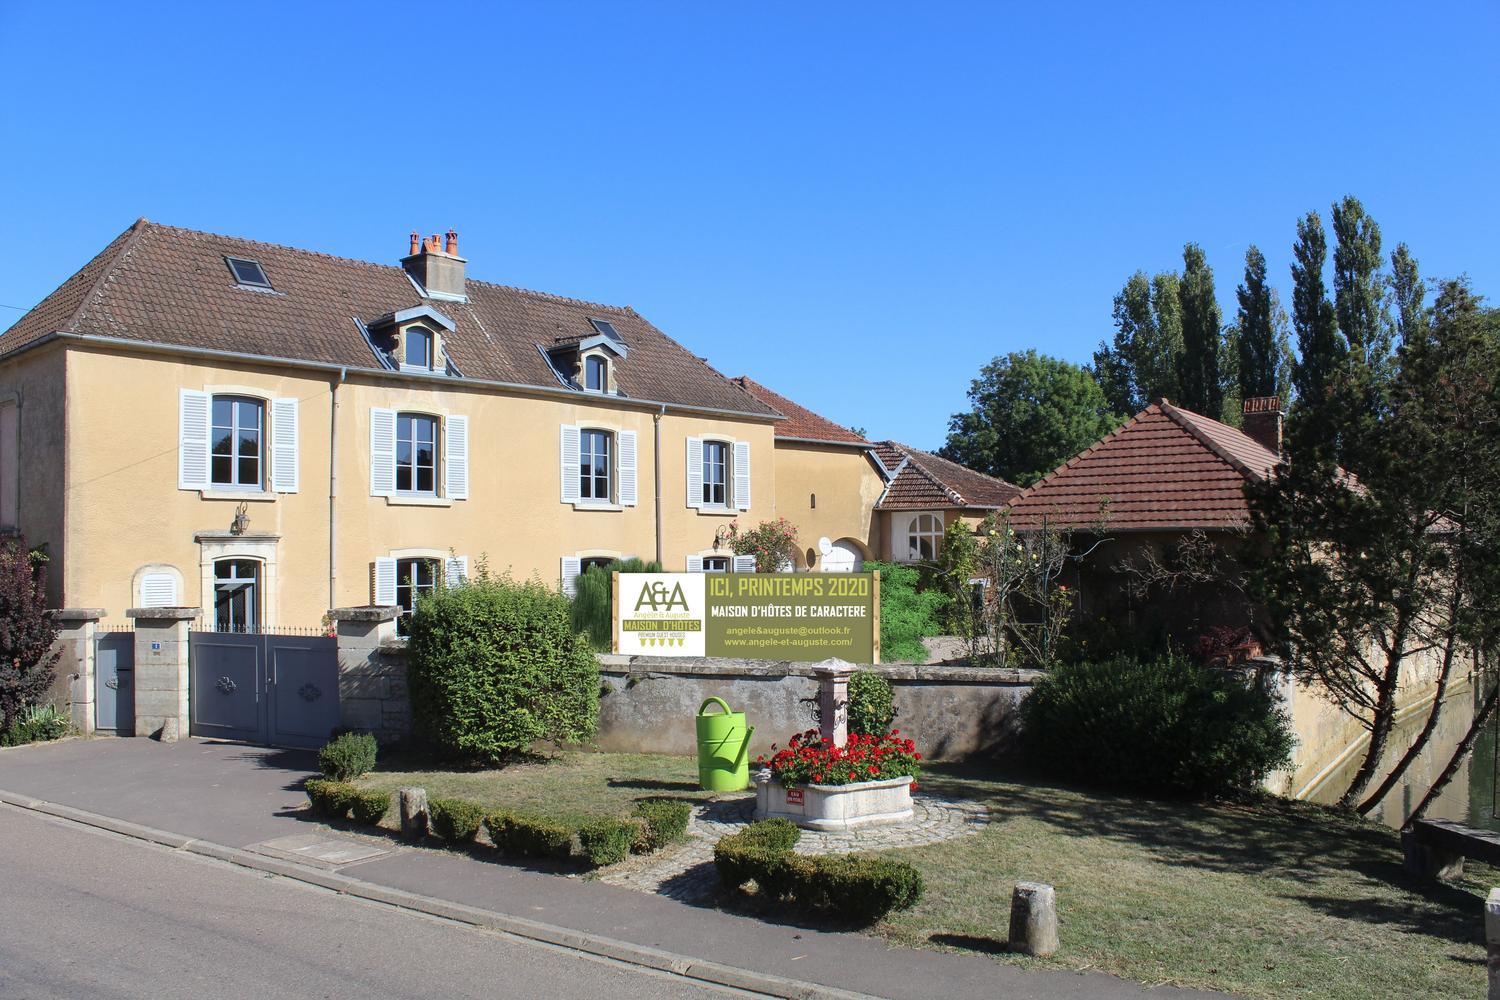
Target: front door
{"points": [[114, 683], [236, 595]]}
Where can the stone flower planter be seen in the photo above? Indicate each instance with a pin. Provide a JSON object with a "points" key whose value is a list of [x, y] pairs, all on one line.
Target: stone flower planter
{"points": [[834, 807]]}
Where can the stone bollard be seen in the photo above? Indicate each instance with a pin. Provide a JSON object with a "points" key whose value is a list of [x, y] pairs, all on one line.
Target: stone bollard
{"points": [[1492, 940], [413, 813], [1033, 919]]}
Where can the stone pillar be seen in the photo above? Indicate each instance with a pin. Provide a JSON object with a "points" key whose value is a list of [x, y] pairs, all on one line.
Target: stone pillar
{"points": [[833, 699], [161, 671], [1033, 919], [1492, 940], [73, 687], [372, 672]]}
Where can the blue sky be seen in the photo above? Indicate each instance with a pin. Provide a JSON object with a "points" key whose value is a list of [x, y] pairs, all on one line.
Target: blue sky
{"points": [[856, 204]]}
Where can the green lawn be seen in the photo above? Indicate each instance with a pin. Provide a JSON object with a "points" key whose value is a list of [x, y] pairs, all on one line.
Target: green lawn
{"points": [[575, 786], [1272, 900], [1267, 900]]}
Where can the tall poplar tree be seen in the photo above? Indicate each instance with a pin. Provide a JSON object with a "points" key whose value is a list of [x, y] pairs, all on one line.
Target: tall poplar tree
{"points": [[1359, 285], [1259, 357], [1407, 291], [1141, 364], [1202, 329]]}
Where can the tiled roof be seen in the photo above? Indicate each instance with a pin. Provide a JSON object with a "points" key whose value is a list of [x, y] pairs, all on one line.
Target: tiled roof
{"points": [[927, 481], [1166, 468], [171, 286], [800, 422]]}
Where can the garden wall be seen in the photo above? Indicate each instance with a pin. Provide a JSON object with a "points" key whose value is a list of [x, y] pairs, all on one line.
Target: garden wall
{"points": [[650, 701]]}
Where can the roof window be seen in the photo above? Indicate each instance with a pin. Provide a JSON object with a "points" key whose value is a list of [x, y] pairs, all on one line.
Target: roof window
{"points": [[248, 272], [607, 329]]}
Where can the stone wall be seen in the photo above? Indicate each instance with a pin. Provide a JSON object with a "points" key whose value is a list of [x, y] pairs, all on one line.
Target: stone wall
{"points": [[372, 673], [649, 702]]}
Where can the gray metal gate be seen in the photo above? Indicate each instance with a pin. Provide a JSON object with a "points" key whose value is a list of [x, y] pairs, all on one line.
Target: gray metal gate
{"points": [[114, 682], [263, 687]]}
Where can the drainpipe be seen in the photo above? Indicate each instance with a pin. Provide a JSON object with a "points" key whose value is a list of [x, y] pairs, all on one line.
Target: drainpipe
{"points": [[656, 467], [333, 487]]}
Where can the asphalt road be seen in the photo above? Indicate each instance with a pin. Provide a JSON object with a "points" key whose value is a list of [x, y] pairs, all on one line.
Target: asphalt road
{"points": [[88, 914]]}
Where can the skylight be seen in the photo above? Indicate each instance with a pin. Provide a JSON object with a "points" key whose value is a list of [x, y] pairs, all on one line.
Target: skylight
{"points": [[606, 328], [248, 272]]}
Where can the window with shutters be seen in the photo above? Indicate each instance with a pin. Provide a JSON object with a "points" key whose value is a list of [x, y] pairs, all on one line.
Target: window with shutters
{"points": [[414, 579], [594, 469], [237, 438], [416, 454], [715, 474], [716, 564]]}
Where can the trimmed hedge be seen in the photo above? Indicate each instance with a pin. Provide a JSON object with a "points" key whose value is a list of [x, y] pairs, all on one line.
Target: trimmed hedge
{"points": [[1164, 724], [454, 819], [370, 808], [495, 666], [862, 888], [593, 594], [663, 822], [607, 841], [348, 756], [524, 835], [331, 799]]}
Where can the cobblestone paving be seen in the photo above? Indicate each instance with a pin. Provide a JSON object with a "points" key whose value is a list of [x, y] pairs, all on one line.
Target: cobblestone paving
{"points": [[686, 871]]}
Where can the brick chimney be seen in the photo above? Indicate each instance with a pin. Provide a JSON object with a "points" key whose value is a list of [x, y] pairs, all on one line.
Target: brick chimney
{"points": [[1262, 421], [436, 265]]}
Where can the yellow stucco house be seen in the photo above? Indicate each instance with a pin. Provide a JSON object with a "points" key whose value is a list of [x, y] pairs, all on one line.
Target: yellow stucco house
{"points": [[266, 433]]}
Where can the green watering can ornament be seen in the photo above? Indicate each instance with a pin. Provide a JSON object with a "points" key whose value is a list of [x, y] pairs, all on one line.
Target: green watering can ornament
{"points": [[723, 748]]}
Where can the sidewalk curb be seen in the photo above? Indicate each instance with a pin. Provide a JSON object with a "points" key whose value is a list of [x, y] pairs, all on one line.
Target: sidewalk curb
{"points": [[532, 930]]}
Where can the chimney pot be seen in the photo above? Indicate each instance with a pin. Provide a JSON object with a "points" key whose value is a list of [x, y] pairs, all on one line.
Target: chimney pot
{"points": [[451, 248], [416, 242], [1262, 421]]}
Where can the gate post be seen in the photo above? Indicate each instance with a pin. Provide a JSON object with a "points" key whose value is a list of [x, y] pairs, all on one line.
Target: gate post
{"points": [[161, 671], [76, 629], [372, 680]]}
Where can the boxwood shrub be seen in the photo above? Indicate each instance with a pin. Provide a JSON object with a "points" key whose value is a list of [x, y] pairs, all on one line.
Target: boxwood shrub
{"points": [[872, 705], [1159, 724], [495, 666], [606, 841], [663, 822], [908, 614], [348, 756], [370, 808], [855, 887], [524, 835], [330, 799], [454, 819]]}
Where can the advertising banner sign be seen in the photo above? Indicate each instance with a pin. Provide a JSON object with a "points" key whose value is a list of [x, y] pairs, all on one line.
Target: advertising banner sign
{"points": [[762, 616]]}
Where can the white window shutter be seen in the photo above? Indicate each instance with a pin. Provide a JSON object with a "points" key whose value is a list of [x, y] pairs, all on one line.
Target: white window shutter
{"points": [[742, 475], [695, 564], [383, 582], [570, 460], [455, 571], [456, 458], [694, 474], [744, 564], [284, 445], [158, 590], [382, 453], [570, 565], [626, 469], [193, 428]]}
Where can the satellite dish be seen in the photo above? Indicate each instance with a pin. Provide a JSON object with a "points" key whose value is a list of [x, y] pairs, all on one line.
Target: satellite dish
{"points": [[825, 546]]}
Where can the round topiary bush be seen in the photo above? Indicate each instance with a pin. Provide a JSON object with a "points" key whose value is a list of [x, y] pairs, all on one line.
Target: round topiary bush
{"points": [[494, 666], [1162, 725]]}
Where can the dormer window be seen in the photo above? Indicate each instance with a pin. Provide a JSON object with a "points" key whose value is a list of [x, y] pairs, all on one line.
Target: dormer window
{"points": [[595, 373], [417, 350]]}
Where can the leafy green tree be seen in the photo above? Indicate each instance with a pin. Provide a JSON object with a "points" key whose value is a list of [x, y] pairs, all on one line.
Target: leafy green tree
{"points": [[1407, 293], [28, 659], [1320, 349], [1029, 414], [1358, 286], [1202, 327], [1141, 365]]}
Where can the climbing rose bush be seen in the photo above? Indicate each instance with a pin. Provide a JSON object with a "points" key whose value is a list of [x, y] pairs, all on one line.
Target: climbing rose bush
{"points": [[809, 759]]}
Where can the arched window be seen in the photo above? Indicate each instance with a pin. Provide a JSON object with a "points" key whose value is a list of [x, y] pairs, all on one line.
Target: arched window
{"points": [[236, 595], [924, 536], [418, 348]]}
